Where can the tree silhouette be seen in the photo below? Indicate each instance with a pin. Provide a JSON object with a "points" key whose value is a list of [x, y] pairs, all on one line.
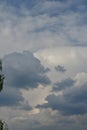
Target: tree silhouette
{"points": [[2, 123], [1, 77]]}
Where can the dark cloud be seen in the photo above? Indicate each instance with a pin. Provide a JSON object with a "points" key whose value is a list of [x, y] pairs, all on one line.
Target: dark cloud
{"points": [[63, 84], [23, 70], [10, 97], [60, 68], [73, 101]]}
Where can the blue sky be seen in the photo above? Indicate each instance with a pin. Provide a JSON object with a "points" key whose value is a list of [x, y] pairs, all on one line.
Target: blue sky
{"points": [[44, 54]]}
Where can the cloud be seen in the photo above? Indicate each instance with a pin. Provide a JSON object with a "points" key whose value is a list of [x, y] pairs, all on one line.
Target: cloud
{"points": [[49, 7], [67, 83], [23, 70], [10, 97], [60, 68], [56, 29], [20, 30], [24, 106], [13, 98], [73, 101]]}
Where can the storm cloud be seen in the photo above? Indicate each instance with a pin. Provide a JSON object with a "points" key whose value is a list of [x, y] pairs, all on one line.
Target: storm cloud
{"points": [[23, 70]]}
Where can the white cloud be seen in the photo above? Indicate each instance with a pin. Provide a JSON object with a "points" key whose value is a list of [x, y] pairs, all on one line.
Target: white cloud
{"points": [[81, 78], [72, 58]]}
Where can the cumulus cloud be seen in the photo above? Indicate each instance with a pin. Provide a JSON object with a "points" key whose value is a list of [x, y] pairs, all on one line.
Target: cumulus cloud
{"points": [[72, 101], [56, 29], [23, 70]]}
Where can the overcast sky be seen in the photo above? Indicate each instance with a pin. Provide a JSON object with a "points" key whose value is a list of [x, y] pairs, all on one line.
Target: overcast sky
{"points": [[43, 47]]}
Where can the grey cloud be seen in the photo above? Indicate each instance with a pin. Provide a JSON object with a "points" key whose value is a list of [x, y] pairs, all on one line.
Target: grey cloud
{"points": [[23, 70], [60, 68], [25, 106], [50, 7], [10, 97], [57, 126], [73, 101], [24, 29], [47, 69], [63, 84], [55, 7]]}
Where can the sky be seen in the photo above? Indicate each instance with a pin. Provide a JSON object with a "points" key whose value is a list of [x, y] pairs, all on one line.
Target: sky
{"points": [[43, 47]]}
